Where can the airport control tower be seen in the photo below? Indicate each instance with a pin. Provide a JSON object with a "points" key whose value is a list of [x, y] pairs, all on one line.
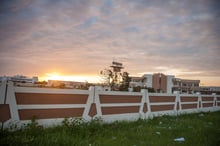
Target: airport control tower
{"points": [[117, 66]]}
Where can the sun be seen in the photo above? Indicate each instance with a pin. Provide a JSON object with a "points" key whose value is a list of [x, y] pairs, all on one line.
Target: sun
{"points": [[78, 78], [53, 76]]}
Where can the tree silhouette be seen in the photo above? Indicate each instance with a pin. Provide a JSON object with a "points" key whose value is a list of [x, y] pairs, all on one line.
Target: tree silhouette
{"points": [[115, 80], [125, 81]]}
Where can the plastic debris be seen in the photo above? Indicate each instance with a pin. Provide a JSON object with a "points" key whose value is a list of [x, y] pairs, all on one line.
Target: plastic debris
{"points": [[158, 133], [180, 139]]}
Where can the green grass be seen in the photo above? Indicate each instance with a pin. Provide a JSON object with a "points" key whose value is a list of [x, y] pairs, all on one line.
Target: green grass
{"points": [[201, 129]]}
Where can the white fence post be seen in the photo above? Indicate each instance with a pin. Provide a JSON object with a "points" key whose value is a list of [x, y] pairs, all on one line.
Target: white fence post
{"points": [[177, 104], [3, 92], [149, 113], [215, 103], [97, 102], [144, 104], [89, 103], [10, 99], [2, 99], [180, 104], [200, 104]]}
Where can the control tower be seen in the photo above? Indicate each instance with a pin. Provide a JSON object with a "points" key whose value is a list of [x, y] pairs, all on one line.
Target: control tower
{"points": [[117, 66]]}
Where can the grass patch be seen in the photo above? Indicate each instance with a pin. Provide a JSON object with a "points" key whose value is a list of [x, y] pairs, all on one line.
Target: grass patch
{"points": [[201, 129]]}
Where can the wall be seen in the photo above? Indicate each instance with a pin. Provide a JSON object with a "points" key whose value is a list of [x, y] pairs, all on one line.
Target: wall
{"points": [[18, 105]]}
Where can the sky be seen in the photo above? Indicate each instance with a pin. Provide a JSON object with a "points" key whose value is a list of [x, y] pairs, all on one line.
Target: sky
{"points": [[79, 38]]}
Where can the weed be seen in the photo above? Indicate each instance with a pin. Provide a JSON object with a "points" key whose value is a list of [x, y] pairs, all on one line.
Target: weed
{"points": [[195, 129]]}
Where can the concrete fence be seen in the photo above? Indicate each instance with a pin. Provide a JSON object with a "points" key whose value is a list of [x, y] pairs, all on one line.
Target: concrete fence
{"points": [[18, 105]]}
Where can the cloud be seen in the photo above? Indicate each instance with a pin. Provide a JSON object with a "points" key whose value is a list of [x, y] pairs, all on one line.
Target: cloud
{"points": [[88, 22], [131, 29], [81, 36], [107, 7]]}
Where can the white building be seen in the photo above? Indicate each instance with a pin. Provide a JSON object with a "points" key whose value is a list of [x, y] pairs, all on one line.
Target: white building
{"points": [[19, 79], [137, 81], [170, 83], [165, 83], [148, 78], [185, 85]]}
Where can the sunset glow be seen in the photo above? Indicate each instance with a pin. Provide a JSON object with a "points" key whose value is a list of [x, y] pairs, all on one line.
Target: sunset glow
{"points": [[61, 77]]}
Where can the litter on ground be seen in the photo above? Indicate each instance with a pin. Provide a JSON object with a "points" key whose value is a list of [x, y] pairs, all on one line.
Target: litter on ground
{"points": [[158, 133], [180, 139]]}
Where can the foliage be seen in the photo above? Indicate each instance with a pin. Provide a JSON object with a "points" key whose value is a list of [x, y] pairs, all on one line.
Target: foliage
{"points": [[41, 82], [33, 128], [86, 86], [26, 136], [201, 129], [138, 89], [151, 90], [116, 80], [110, 77], [62, 85], [125, 81]]}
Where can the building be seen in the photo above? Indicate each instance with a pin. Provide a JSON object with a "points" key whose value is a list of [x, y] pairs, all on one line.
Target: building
{"points": [[65, 84], [159, 83], [162, 83], [19, 79], [170, 83], [208, 90], [148, 78], [185, 85], [137, 81]]}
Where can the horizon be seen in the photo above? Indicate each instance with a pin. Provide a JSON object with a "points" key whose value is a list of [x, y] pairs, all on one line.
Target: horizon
{"points": [[77, 39], [94, 78]]}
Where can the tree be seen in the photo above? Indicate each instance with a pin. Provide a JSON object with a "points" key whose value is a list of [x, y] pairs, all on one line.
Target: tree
{"points": [[110, 78], [86, 86], [151, 90], [137, 89], [116, 80], [125, 81], [62, 85]]}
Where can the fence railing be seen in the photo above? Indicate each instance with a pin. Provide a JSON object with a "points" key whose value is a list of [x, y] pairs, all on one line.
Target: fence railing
{"points": [[18, 105]]}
